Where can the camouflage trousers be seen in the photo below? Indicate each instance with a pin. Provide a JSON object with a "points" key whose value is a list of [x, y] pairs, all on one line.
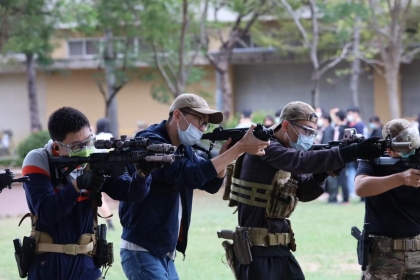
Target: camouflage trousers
{"points": [[388, 264]]}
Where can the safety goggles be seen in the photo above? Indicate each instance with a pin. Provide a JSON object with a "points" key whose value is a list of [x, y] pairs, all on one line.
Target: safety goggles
{"points": [[307, 131], [407, 135], [76, 147]]}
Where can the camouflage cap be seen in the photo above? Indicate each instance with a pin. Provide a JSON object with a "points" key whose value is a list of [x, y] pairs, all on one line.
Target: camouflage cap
{"points": [[401, 130], [298, 111]]}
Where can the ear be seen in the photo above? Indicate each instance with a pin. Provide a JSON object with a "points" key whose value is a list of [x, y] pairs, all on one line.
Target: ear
{"points": [[285, 125], [176, 115]]}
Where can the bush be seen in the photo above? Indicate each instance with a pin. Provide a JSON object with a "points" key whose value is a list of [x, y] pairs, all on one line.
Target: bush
{"points": [[34, 141]]}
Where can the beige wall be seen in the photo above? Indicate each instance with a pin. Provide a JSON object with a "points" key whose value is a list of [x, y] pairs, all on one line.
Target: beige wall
{"points": [[60, 52], [14, 104], [77, 89]]}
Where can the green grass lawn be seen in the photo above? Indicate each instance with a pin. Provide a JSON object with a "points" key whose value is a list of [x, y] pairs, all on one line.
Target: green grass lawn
{"points": [[325, 248]]}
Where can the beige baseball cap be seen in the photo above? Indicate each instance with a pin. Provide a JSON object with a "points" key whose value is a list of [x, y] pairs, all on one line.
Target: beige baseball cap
{"points": [[297, 111], [401, 130], [198, 104]]}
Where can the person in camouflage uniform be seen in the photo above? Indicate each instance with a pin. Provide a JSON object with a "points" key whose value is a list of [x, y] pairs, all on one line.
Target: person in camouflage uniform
{"points": [[266, 190], [392, 210]]}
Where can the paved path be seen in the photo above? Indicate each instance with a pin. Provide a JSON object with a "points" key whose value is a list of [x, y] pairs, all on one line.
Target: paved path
{"points": [[13, 202]]}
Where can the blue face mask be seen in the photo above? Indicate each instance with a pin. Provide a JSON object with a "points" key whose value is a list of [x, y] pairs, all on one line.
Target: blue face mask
{"points": [[190, 136], [304, 143], [372, 125], [404, 155]]}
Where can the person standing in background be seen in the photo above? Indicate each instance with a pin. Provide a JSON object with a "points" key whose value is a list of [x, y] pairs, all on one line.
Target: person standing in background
{"points": [[103, 132]]}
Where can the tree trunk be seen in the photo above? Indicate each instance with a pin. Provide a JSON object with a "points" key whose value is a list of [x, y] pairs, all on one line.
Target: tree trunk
{"points": [[32, 94], [111, 104], [315, 89], [392, 79], [226, 88], [355, 65]]}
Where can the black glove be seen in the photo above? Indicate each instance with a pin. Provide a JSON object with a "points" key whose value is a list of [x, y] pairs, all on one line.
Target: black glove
{"points": [[90, 180], [145, 167], [367, 149], [320, 177]]}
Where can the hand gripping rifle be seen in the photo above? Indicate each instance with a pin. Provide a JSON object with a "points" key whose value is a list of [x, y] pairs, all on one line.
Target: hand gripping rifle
{"points": [[6, 179], [351, 137], [364, 244], [124, 151], [221, 134]]}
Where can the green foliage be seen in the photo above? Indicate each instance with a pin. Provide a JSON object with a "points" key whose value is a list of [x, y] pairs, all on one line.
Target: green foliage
{"points": [[34, 141], [31, 27]]}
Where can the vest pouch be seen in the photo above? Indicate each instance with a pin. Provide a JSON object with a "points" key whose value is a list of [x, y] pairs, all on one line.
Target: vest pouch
{"points": [[283, 200], [227, 183]]}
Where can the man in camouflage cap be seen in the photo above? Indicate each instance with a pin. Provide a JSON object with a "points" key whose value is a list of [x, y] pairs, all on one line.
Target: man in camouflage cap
{"points": [[288, 154], [392, 209]]}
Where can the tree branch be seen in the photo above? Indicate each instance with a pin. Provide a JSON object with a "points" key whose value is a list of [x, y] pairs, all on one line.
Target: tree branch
{"points": [[408, 57], [181, 50], [101, 88], [336, 60], [162, 70], [201, 40], [377, 29], [295, 19], [315, 35]]}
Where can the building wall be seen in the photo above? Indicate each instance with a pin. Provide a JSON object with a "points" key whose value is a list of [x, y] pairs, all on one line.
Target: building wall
{"points": [[410, 74], [78, 89], [14, 105], [271, 86]]}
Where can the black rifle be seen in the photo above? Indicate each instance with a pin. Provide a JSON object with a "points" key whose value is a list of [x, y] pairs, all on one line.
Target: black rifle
{"points": [[364, 244], [6, 179], [123, 152], [351, 136], [221, 134], [400, 164]]}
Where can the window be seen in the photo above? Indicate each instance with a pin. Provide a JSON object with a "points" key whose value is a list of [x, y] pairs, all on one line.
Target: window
{"points": [[89, 48], [83, 47], [246, 42]]}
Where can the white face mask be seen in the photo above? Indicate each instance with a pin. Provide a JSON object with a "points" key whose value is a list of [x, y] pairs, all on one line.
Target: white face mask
{"points": [[350, 118], [190, 136], [320, 122]]}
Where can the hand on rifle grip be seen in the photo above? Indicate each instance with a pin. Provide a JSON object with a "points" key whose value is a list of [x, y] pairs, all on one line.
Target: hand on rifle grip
{"points": [[252, 145], [226, 146], [145, 168]]}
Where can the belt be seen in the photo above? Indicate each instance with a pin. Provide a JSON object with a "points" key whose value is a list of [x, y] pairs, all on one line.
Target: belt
{"points": [[398, 244], [261, 237]]}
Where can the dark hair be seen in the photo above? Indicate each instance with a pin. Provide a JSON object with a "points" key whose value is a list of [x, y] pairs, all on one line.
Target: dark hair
{"points": [[64, 121], [103, 125], [328, 118], [278, 113], [354, 110], [374, 119], [269, 118], [247, 113], [341, 115]]}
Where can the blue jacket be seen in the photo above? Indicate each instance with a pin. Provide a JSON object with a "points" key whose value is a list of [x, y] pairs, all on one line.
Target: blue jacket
{"points": [[65, 215], [153, 223]]}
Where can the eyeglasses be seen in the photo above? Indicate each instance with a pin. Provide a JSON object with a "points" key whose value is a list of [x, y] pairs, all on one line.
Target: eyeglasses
{"points": [[308, 131], [76, 147], [201, 121]]}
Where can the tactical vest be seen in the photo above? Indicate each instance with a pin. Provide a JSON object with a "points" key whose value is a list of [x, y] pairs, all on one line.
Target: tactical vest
{"points": [[278, 198]]}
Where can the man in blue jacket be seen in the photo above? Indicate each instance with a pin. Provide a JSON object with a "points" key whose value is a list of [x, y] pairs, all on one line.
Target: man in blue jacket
{"points": [[156, 227], [63, 215]]}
